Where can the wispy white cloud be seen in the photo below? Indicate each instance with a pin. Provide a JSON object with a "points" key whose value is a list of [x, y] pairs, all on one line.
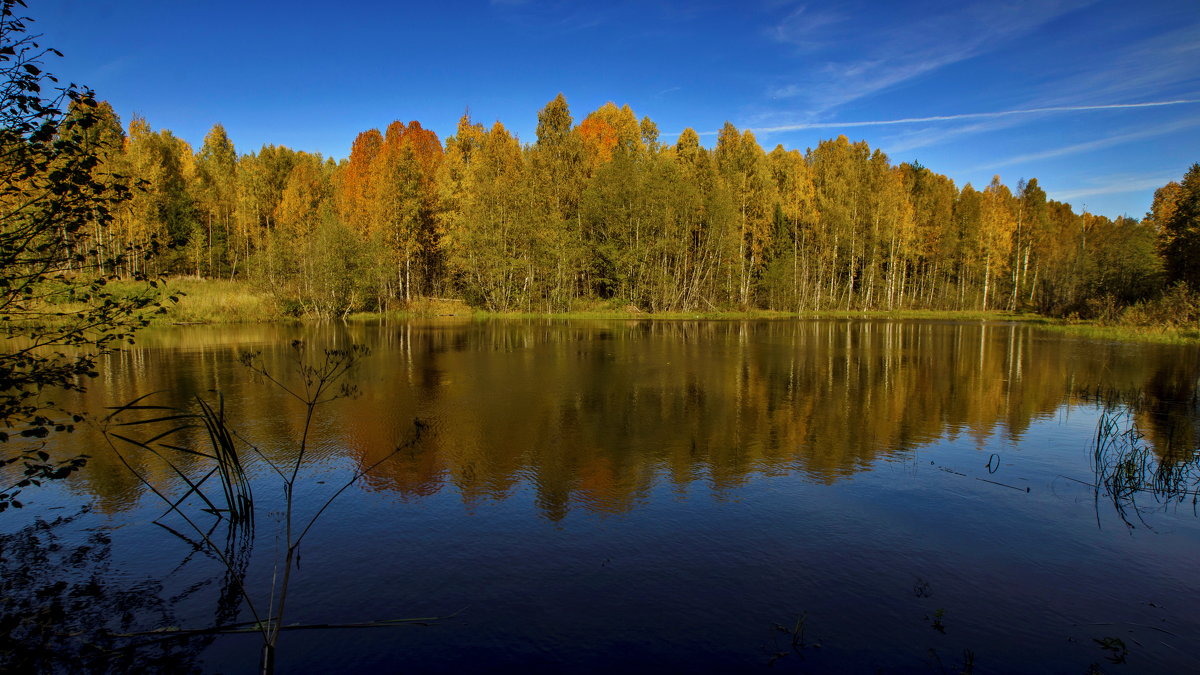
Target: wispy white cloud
{"points": [[1113, 185], [970, 116], [1097, 144], [938, 133], [806, 28], [1157, 67], [992, 120], [1146, 68], [893, 52]]}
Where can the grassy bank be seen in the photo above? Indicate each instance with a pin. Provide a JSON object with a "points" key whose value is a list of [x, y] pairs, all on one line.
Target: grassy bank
{"points": [[765, 314], [223, 301], [217, 301], [1123, 333]]}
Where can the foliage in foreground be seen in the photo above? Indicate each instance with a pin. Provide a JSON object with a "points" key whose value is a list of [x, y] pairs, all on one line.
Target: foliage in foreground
{"points": [[57, 201]]}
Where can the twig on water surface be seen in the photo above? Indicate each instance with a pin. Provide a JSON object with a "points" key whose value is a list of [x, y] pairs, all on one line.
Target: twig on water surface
{"points": [[985, 480], [1081, 482], [174, 633], [1003, 484], [993, 464]]}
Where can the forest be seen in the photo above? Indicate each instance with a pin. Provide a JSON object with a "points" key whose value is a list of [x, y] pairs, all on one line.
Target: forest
{"points": [[604, 212]]}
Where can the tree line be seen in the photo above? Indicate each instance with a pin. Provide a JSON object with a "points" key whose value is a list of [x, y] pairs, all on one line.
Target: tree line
{"points": [[603, 211]]}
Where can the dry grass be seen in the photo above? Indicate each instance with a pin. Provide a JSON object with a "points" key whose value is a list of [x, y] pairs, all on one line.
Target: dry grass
{"points": [[218, 301]]}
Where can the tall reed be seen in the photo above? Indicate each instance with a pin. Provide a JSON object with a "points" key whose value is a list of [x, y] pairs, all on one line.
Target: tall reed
{"points": [[1126, 468]]}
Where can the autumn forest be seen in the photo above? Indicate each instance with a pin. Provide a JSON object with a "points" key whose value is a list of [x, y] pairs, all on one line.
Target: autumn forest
{"points": [[603, 211]]}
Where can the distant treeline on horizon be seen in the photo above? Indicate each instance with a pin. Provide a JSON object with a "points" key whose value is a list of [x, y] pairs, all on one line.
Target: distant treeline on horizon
{"points": [[601, 211]]}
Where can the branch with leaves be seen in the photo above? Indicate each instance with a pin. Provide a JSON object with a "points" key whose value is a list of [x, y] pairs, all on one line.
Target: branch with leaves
{"points": [[58, 314]]}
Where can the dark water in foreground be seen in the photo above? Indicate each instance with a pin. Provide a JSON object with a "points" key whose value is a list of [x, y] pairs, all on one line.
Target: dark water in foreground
{"points": [[671, 496]]}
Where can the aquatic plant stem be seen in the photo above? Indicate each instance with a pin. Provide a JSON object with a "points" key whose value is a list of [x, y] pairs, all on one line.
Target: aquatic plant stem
{"points": [[203, 535], [316, 390]]}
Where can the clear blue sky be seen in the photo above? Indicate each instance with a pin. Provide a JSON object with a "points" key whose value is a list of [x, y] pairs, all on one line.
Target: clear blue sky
{"points": [[311, 75]]}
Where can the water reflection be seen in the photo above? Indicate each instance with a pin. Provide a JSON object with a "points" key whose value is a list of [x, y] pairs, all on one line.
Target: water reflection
{"points": [[592, 414], [658, 495]]}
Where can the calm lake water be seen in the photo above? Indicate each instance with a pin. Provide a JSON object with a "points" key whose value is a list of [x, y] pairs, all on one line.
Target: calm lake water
{"points": [[917, 496]]}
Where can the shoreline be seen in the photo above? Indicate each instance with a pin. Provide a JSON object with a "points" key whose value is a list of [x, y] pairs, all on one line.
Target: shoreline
{"points": [[223, 302], [218, 302]]}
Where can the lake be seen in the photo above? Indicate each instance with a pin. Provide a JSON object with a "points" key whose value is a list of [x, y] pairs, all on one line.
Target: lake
{"points": [[703, 496]]}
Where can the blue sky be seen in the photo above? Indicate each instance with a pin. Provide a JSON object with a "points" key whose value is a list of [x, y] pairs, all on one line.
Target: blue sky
{"points": [[1098, 100]]}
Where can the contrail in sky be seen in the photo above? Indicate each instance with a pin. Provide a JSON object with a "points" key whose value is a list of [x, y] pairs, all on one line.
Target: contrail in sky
{"points": [[966, 116]]}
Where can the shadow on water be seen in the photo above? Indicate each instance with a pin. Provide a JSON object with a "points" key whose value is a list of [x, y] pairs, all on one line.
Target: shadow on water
{"points": [[66, 605]]}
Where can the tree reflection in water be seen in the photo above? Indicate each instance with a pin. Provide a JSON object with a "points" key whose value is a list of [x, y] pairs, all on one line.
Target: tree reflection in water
{"points": [[698, 476], [594, 414]]}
